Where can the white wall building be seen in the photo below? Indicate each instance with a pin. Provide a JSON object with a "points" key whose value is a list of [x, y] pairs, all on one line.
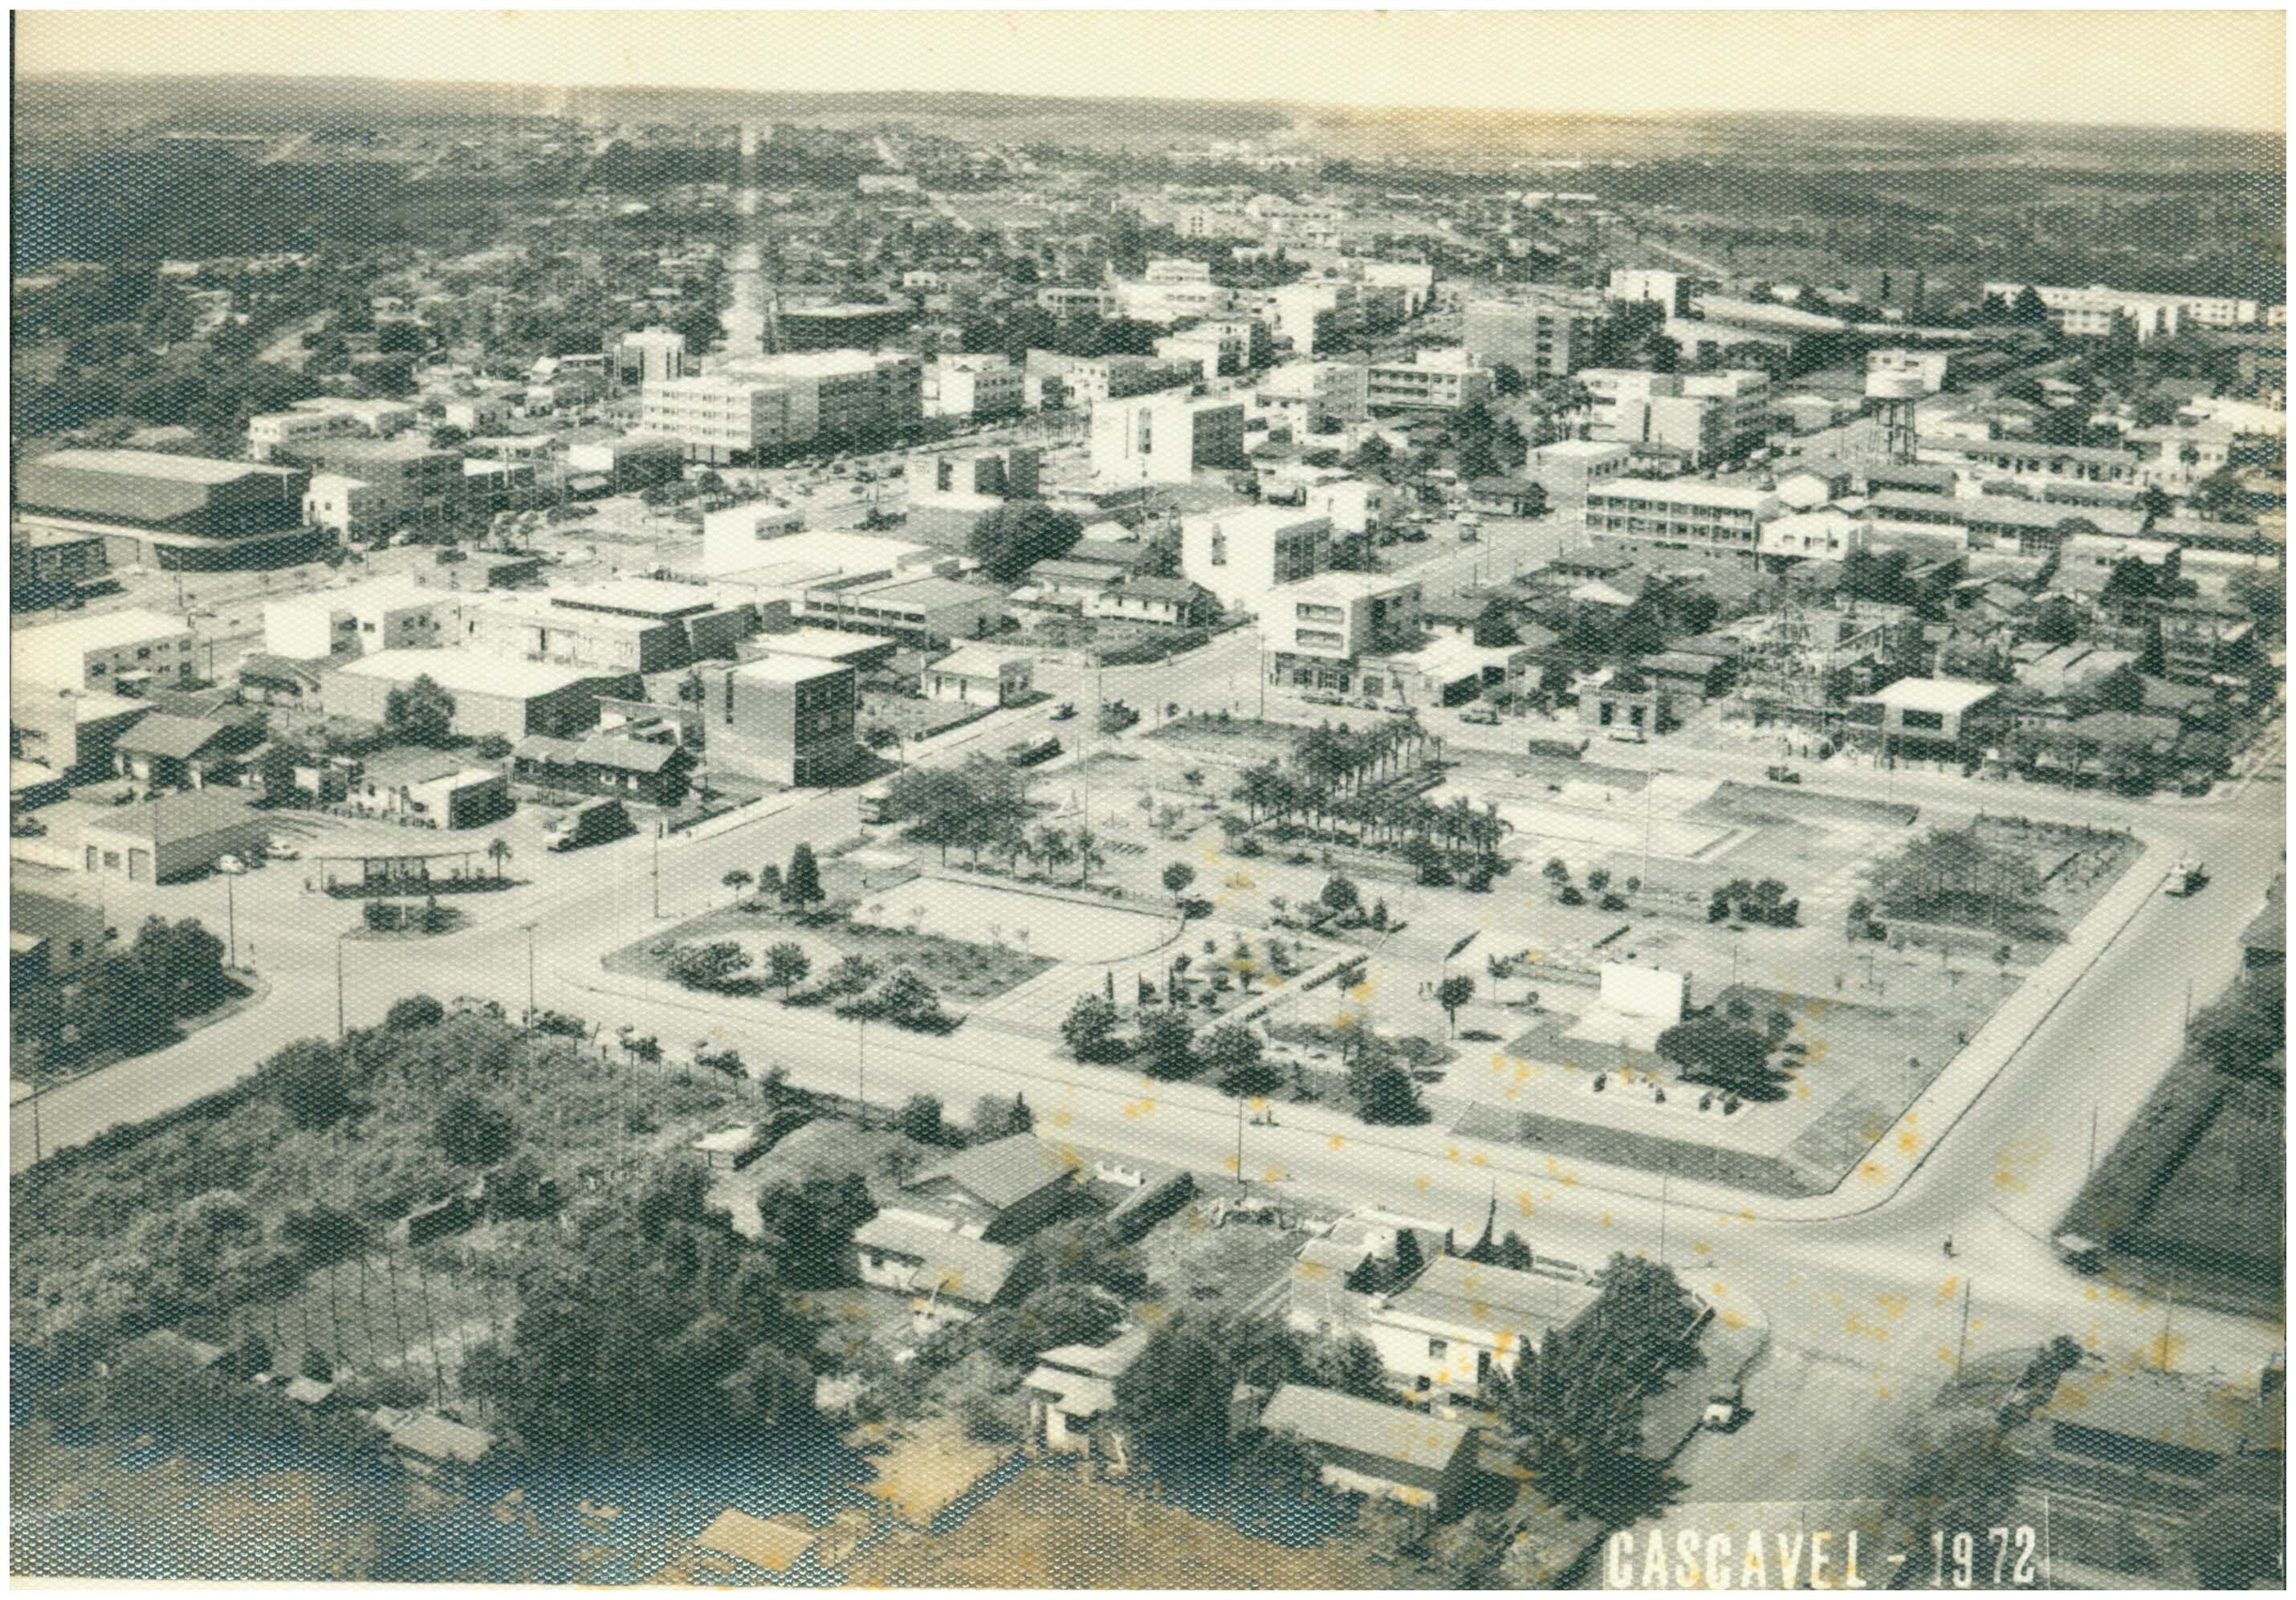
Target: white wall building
{"points": [[1241, 555]]}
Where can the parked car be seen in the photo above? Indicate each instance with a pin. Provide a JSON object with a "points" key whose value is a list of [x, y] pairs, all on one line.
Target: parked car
{"points": [[1064, 711], [230, 864], [1483, 716], [1726, 1408], [1781, 775], [2188, 876], [280, 847]]}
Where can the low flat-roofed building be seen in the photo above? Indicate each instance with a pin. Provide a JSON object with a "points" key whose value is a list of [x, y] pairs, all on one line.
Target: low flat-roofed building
{"points": [[430, 788], [493, 694], [978, 675], [1685, 513], [919, 610], [1931, 719], [863, 652], [158, 840], [133, 646], [70, 731], [50, 936]]}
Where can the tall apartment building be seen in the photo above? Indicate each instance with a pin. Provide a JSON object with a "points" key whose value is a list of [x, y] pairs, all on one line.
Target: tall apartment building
{"points": [[722, 419], [1436, 380], [844, 393], [1165, 437], [649, 355], [1683, 513], [1315, 312], [1089, 383], [763, 404], [1702, 416], [1241, 554], [1545, 335]]}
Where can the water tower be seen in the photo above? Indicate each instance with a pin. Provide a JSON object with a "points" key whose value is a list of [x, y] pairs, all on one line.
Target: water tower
{"points": [[1899, 395]]}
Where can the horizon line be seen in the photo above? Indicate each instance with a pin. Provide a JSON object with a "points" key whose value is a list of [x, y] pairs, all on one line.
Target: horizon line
{"points": [[1660, 114]]}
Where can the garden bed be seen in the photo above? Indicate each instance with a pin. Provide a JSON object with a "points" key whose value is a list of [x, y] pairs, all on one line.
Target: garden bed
{"points": [[957, 970]]}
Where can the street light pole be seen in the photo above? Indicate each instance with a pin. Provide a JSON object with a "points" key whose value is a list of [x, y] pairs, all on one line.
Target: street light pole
{"points": [[861, 1070], [231, 917], [529, 971], [339, 1028], [1240, 1177]]}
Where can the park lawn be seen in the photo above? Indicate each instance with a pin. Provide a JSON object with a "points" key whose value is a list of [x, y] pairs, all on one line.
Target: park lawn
{"points": [[956, 970]]}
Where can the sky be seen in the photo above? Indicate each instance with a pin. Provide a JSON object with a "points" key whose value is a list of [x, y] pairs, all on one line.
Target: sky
{"points": [[2186, 67]]}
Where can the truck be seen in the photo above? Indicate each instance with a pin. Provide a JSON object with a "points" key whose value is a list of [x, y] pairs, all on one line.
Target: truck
{"points": [[1030, 752], [593, 822], [2188, 876]]}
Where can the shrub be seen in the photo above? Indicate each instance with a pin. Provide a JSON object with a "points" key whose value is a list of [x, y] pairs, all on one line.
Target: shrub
{"points": [[414, 1011], [1570, 895], [1614, 901]]}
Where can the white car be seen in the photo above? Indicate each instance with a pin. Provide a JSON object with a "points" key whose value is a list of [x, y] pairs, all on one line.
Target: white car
{"points": [[281, 849], [232, 864]]}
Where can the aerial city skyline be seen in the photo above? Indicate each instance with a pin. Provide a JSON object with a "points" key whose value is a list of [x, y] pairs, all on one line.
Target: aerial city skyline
{"points": [[1130, 800]]}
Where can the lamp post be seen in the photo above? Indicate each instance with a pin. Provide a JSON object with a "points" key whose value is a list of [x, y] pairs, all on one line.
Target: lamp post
{"points": [[231, 914], [861, 1070], [340, 1030], [529, 928]]}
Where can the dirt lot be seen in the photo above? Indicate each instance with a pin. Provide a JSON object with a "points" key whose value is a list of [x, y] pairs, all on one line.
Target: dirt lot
{"points": [[1046, 1531]]}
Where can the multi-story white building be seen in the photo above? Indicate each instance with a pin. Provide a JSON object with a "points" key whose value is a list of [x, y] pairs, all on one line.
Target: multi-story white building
{"points": [[1313, 633], [1544, 335], [1165, 437], [1415, 279], [1312, 396], [2092, 312], [649, 355], [1432, 380], [278, 433], [385, 613], [133, 646], [1683, 513], [974, 387], [1219, 348], [843, 394], [274, 431], [722, 419], [1241, 554]]}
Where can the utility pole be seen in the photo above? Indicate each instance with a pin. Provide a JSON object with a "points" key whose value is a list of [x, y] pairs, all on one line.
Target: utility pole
{"points": [[2167, 1321], [339, 1030], [1665, 1187], [231, 918], [529, 971], [39, 1152], [2093, 1112], [657, 871], [861, 1070], [1240, 1177], [1961, 1351]]}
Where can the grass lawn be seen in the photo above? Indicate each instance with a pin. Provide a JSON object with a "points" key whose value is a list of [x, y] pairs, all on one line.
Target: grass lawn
{"points": [[957, 970], [1044, 1529]]}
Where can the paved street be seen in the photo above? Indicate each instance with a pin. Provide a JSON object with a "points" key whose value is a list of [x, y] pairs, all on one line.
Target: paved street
{"points": [[1832, 1275]]}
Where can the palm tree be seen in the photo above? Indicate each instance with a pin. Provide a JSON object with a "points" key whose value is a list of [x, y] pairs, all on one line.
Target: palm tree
{"points": [[1087, 853], [498, 852], [1054, 848]]}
